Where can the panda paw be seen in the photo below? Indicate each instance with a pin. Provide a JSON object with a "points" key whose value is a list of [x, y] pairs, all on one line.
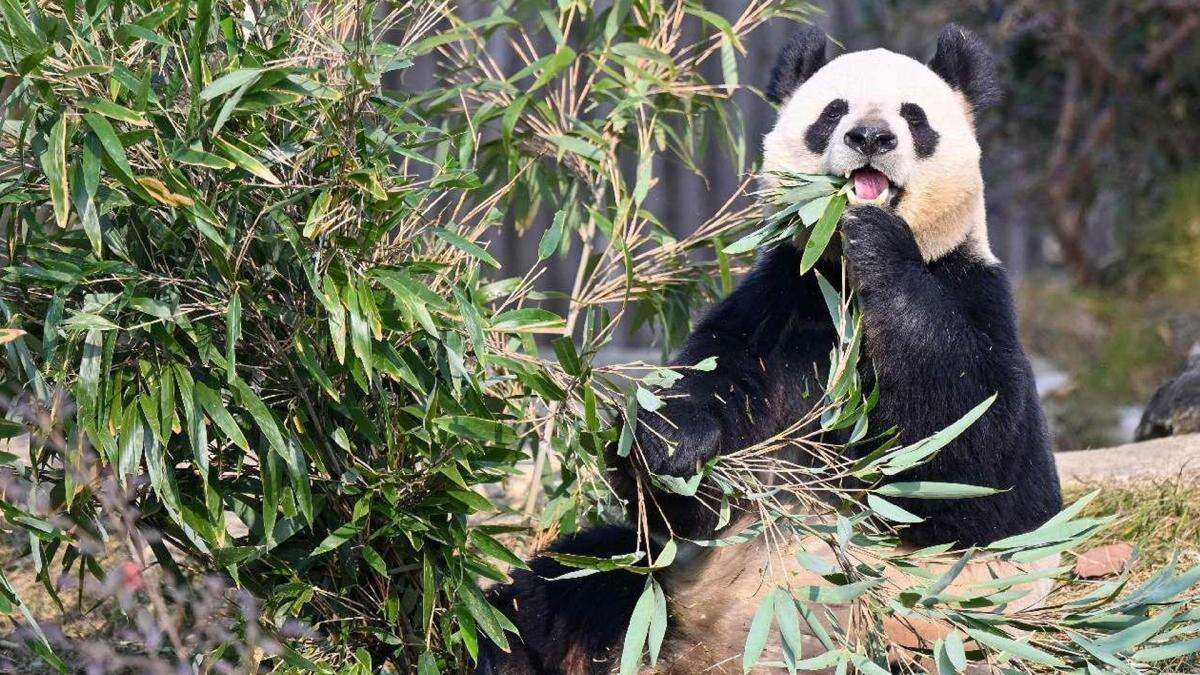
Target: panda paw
{"points": [[875, 239], [679, 441]]}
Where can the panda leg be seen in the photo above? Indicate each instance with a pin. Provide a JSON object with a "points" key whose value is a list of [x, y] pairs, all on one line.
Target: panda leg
{"points": [[569, 626]]}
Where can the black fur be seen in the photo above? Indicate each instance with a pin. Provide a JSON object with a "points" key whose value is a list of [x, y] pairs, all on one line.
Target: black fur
{"points": [[816, 136], [966, 64], [925, 138], [942, 337], [802, 56], [767, 336]]}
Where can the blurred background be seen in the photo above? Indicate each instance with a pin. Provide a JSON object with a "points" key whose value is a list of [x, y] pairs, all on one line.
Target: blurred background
{"points": [[1093, 183]]}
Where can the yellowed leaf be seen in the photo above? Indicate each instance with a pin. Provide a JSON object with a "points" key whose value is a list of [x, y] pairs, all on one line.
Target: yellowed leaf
{"points": [[162, 193]]}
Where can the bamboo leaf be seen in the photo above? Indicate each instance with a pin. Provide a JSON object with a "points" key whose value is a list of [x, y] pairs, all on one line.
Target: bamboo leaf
{"points": [[495, 549], [760, 628], [637, 631], [836, 594], [229, 82], [115, 111], [658, 621], [577, 146], [788, 620], [111, 144], [561, 58], [648, 400], [955, 652], [553, 235], [1022, 650], [890, 511], [934, 490], [54, 165], [527, 320], [1173, 650], [821, 234], [245, 161], [197, 157], [469, 247], [336, 538], [211, 401]]}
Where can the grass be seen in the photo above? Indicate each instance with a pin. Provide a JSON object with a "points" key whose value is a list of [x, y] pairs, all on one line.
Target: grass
{"points": [[1160, 518]]}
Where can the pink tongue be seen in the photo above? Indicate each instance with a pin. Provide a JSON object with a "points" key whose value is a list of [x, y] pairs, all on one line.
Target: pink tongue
{"points": [[869, 183]]}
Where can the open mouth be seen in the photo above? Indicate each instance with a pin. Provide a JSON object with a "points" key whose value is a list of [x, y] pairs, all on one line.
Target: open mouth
{"points": [[871, 186]]}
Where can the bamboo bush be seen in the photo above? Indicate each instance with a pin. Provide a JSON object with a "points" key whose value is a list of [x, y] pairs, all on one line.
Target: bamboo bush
{"points": [[246, 281]]}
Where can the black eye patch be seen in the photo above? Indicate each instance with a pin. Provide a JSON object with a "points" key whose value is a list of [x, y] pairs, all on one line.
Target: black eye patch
{"points": [[816, 138], [925, 139]]}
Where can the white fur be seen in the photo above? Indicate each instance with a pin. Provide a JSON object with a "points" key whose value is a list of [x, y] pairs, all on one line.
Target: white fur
{"points": [[943, 194]]}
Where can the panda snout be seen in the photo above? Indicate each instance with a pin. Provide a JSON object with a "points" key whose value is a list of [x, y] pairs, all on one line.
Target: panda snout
{"points": [[871, 139]]}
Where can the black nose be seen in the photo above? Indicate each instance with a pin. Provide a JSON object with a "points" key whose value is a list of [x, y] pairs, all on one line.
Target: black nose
{"points": [[871, 140]]}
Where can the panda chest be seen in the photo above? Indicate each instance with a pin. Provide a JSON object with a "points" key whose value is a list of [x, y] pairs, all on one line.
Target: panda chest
{"points": [[807, 350]]}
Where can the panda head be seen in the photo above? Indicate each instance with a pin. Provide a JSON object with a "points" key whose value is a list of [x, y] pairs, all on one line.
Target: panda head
{"points": [[901, 130]]}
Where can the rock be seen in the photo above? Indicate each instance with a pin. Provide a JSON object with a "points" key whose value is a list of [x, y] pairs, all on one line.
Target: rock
{"points": [[1175, 408], [1149, 460], [1103, 561]]}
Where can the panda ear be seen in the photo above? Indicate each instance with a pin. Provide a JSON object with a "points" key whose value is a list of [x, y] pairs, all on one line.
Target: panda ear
{"points": [[966, 64], [802, 56]]}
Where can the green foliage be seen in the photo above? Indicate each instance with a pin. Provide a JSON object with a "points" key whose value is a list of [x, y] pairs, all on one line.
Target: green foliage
{"points": [[801, 202], [249, 282], [1163, 255]]}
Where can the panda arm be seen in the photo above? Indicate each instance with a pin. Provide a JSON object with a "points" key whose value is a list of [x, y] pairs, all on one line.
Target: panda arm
{"points": [[757, 335], [942, 336], [763, 336]]}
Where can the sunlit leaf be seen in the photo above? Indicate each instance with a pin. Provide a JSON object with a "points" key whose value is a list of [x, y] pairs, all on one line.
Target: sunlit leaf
{"points": [[54, 164]]}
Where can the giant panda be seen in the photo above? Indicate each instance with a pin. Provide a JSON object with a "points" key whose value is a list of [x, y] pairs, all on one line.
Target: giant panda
{"points": [[940, 336]]}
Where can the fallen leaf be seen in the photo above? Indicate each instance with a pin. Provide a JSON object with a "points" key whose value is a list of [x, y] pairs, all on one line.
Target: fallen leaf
{"points": [[1103, 561]]}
